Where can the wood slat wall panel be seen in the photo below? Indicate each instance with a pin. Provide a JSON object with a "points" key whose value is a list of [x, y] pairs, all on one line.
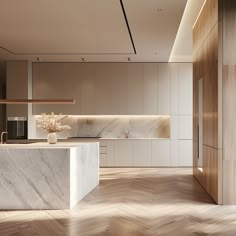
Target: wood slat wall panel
{"points": [[206, 21], [205, 51]]}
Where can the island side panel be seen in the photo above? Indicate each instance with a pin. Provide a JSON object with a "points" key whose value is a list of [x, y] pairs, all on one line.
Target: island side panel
{"points": [[84, 167], [34, 178]]}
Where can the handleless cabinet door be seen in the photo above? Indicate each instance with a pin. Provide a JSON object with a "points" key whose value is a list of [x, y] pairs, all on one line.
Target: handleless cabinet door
{"points": [[163, 89], [110, 153], [149, 88], [17, 86], [123, 153], [103, 160], [103, 89], [185, 153], [142, 153], [134, 73], [119, 95], [57, 81], [161, 155], [107, 153], [174, 150], [174, 89], [87, 89], [185, 89], [186, 127]]}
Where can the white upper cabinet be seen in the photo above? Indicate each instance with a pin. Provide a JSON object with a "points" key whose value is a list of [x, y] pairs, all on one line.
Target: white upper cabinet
{"points": [[149, 88], [115, 88], [185, 89], [119, 96], [56, 81], [135, 103], [174, 94], [17, 86], [103, 89], [163, 88], [87, 89]]}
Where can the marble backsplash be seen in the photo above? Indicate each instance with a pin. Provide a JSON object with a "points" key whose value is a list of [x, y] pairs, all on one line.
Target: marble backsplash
{"points": [[115, 127]]}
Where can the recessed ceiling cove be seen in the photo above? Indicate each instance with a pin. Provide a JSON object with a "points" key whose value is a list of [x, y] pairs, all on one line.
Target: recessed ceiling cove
{"points": [[59, 26], [98, 30], [154, 25]]}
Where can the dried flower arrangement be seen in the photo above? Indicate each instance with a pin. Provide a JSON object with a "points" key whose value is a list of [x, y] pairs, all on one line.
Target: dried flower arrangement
{"points": [[52, 122]]}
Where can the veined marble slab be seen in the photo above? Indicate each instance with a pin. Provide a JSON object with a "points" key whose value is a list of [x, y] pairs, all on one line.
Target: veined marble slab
{"points": [[43, 176], [111, 127]]}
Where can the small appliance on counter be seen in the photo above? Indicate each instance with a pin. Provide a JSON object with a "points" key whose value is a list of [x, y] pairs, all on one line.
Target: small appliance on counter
{"points": [[17, 127]]}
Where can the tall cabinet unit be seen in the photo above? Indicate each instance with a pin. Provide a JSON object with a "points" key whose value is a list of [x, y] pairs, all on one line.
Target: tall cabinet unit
{"points": [[214, 93]]}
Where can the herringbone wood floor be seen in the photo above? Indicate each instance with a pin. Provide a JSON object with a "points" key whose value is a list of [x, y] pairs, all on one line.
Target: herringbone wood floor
{"points": [[131, 202]]}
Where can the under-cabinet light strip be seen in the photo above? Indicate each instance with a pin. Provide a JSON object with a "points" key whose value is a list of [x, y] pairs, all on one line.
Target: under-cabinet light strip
{"points": [[115, 116]]}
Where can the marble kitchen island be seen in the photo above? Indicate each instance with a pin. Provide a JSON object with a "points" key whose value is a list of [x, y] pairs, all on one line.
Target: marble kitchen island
{"points": [[44, 176]]}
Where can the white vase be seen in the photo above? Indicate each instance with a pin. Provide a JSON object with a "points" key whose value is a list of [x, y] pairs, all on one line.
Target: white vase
{"points": [[52, 138]]}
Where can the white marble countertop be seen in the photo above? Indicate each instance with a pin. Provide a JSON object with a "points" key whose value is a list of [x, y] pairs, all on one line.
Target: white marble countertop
{"points": [[132, 138], [117, 138], [43, 145]]}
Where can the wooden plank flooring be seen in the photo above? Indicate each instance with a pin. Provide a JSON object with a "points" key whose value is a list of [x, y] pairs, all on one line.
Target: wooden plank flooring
{"points": [[131, 202]]}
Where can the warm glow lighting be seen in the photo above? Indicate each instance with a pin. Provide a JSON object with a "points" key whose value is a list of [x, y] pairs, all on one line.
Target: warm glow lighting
{"points": [[177, 38], [199, 14], [178, 53], [37, 101], [117, 116], [200, 169]]}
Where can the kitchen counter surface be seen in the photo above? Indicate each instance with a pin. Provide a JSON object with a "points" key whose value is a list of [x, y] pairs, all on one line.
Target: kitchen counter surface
{"points": [[74, 140], [42, 145], [132, 138]]}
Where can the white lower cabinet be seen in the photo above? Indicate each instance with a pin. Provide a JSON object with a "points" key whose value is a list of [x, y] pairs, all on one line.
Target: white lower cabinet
{"points": [[142, 152], [123, 153], [107, 155], [185, 153], [145, 153], [103, 160], [174, 149], [161, 153]]}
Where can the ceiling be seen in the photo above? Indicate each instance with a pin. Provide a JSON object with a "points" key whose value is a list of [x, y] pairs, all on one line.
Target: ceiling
{"points": [[104, 30], [182, 49]]}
